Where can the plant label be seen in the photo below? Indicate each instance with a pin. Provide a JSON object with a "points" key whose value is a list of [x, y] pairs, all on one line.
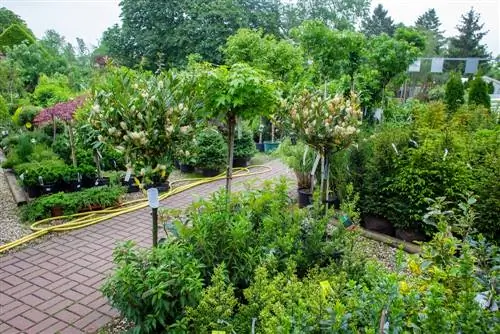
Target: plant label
{"points": [[153, 200], [128, 175]]}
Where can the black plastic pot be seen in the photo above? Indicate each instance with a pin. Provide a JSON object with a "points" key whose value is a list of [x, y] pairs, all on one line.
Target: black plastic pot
{"points": [[177, 165], [101, 182], [305, 197], [240, 162], [73, 186], [186, 168], [260, 147], [208, 172], [49, 188], [163, 187], [33, 191]]}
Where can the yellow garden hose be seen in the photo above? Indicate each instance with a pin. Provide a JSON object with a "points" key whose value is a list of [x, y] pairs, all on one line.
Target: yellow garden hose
{"points": [[80, 220]]}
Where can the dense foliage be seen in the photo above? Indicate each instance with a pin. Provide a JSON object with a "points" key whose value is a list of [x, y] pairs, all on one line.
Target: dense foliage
{"points": [[267, 266]]}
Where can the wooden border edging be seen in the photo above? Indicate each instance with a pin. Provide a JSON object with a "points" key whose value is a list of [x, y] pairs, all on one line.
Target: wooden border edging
{"points": [[386, 239], [17, 192]]}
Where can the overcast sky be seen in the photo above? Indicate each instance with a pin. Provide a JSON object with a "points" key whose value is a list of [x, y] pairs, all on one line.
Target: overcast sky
{"points": [[89, 18]]}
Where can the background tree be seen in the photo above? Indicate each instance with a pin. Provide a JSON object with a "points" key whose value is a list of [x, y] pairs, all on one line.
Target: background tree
{"points": [[429, 22], [454, 93], [468, 41], [282, 59], [333, 53], [338, 14], [478, 93], [15, 34], [380, 22], [8, 18], [166, 32]]}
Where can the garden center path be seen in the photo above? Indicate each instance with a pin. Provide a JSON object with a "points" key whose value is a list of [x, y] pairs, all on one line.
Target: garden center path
{"points": [[53, 287]]}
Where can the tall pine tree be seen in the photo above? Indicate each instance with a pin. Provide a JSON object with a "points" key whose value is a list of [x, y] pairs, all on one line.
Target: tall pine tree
{"points": [[468, 41], [380, 22], [429, 22]]}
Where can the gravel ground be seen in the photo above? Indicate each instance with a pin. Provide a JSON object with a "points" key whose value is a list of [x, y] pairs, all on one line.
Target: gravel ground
{"points": [[10, 226]]}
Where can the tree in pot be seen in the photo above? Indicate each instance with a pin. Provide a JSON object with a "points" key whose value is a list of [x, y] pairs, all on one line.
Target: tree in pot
{"points": [[300, 158], [327, 124], [211, 151], [136, 113], [239, 91], [186, 149], [244, 148]]}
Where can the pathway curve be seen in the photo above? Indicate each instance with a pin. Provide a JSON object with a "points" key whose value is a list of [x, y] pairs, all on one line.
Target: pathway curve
{"points": [[53, 287]]}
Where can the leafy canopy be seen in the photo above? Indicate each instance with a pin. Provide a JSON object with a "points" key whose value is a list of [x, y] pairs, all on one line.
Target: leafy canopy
{"points": [[239, 90]]}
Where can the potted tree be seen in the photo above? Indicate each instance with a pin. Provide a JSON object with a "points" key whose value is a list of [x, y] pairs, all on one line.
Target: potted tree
{"points": [[244, 148], [211, 155], [136, 113], [300, 158], [327, 124], [230, 92]]}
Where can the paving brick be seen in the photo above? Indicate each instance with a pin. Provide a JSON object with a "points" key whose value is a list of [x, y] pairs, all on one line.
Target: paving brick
{"points": [[98, 323], [35, 315], [5, 299], [71, 330], [72, 295], [79, 309], [48, 325], [67, 316], [16, 309], [12, 269], [44, 294], [31, 300], [88, 319], [20, 323], [55, 305]]}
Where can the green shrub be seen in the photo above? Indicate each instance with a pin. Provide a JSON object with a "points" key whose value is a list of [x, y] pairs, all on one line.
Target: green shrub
{"points": [[478, 93], [454, 93], [71, 203], [4, 111], [216, 307], [25, 115], [153, 288], [211, 149], [244, 147], [50, 91], [50, 171]]}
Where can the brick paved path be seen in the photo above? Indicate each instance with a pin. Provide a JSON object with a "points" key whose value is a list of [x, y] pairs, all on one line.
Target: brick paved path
{"points": [[53, 287]]}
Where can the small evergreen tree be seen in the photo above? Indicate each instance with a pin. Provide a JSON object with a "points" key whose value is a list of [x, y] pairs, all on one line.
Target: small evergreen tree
{"points": [[378, 23], [429, 21], [478, 93], [454, 94]]}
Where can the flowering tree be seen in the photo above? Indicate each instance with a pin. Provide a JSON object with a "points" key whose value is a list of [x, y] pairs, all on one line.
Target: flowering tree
{"points": [[328, 124], [63, 111], [135, 113]]}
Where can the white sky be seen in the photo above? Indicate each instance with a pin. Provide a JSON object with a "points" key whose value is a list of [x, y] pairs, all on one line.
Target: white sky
{"points": [[89, 18]]}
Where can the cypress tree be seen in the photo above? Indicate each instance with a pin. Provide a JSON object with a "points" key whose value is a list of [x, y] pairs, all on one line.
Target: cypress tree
{"points": [[454, 93], [478, 93]]}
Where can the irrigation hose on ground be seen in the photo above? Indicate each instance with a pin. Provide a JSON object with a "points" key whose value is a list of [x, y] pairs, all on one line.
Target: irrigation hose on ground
{"points": [[80, 220]]}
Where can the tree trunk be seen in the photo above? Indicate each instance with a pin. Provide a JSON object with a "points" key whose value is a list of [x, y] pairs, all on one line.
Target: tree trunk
{"points": [[272, 132], [72, 144], [54, 129], [231, 122]]}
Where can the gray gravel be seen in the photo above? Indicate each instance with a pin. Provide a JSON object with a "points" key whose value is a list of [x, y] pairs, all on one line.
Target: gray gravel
{"points": [[11, 227]]}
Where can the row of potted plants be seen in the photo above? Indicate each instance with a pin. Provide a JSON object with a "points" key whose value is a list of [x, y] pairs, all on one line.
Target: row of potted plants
{"points": [[59, 204], [207, 152]]}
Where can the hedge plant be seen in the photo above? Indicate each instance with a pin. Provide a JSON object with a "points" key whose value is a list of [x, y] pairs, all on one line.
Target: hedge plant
{"points": [[70, 203]]}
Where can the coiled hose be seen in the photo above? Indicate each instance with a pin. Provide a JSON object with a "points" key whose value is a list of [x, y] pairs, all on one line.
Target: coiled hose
{"points": [[81, 220]]}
